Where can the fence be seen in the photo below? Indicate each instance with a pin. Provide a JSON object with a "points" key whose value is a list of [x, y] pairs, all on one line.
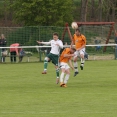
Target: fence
{"points": [[28, 36]]}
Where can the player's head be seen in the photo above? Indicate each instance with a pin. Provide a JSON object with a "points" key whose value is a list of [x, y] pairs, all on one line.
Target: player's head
{"points": [[77, 32], [72, 50], [55, 36]]}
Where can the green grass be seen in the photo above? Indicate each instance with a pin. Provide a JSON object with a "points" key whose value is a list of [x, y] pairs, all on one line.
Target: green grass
{"points": [[25, 92]]}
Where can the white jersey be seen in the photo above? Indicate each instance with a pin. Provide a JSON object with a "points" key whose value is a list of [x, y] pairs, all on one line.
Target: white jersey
{"points": [[55, 49], [55, 46]]}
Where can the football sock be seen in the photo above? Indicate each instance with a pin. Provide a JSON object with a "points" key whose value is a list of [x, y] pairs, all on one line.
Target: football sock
{"points": [[45, 65], [57, 72], [82, 61], [66, 78], [62, 76], [75, 66]]}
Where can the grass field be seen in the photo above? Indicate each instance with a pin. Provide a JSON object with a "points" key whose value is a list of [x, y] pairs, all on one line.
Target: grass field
{"points": [[25, 92]]}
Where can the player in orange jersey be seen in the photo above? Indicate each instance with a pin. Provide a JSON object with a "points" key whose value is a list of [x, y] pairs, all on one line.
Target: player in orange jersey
{"points": [[65, 58], [80, 42]]}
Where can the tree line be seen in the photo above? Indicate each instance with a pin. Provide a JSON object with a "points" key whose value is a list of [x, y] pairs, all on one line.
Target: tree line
{"points": [[56, 12]]}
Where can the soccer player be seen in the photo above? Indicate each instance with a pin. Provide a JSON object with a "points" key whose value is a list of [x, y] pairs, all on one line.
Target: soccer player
{"points": [[80, 42], [53, 56], [65, 58]]}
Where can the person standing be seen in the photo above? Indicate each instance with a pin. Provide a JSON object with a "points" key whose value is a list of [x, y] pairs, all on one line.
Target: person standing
{"points": [[80, 42], [65, 58], [56, 46], [14, 51], [3, 43]]}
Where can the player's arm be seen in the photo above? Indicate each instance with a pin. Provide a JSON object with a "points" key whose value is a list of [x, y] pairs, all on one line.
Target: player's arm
{"points": [[71, 65], [68, 55], [72, 42], [115, 33], [45, 43], [60, 44]]}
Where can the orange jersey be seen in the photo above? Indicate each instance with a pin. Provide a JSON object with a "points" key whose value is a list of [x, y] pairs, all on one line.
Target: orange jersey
{"points": [[79, 41], [65, 59]]}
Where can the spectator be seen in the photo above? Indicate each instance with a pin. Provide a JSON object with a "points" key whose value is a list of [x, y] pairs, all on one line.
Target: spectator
{"points": [[3, 43], [15, 51], [21, 55], [97, 42]]}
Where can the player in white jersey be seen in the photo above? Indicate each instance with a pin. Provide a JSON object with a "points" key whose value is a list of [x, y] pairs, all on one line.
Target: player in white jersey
{"points": [[56, 46]]}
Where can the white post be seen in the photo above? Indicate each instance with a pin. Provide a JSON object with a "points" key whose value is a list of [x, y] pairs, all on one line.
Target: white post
{"points": [[28, 58]]}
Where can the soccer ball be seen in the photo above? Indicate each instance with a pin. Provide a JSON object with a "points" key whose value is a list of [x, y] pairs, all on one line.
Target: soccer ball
{"points": [[74, 25]]}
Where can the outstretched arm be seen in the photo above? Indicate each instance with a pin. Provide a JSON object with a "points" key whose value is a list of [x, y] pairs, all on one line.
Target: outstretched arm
{"points": [[45, 43], [115, 33], [72, 43]]}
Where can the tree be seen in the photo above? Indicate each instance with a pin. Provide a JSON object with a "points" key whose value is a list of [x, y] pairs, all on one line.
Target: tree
{"points": [[100, 11], [84, 10], [43, 12]]}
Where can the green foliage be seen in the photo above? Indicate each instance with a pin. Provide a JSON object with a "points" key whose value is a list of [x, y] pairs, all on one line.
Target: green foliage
{"points": [[24, 35], [43, 12], [27, 36], [1, 9], [30, 34], [76, 10]]}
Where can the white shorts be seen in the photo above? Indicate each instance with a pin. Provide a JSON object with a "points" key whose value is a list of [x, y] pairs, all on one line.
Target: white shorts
{"points": [[64, 65], [78, 53]]}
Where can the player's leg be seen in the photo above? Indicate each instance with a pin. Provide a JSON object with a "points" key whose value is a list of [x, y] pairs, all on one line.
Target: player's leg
{"points": [[45, 65], [82, 52], [62, 74], [82, 61], [55, 59], [11, 56], [75, 63], [67, 71], [57, 74], [15, 56]]}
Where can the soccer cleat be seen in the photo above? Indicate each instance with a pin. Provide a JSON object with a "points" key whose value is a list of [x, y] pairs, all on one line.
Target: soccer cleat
{"points": [[61, 84], [44, 72], [57, 80], [64, 85], [81, 67], [75, 73]]}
